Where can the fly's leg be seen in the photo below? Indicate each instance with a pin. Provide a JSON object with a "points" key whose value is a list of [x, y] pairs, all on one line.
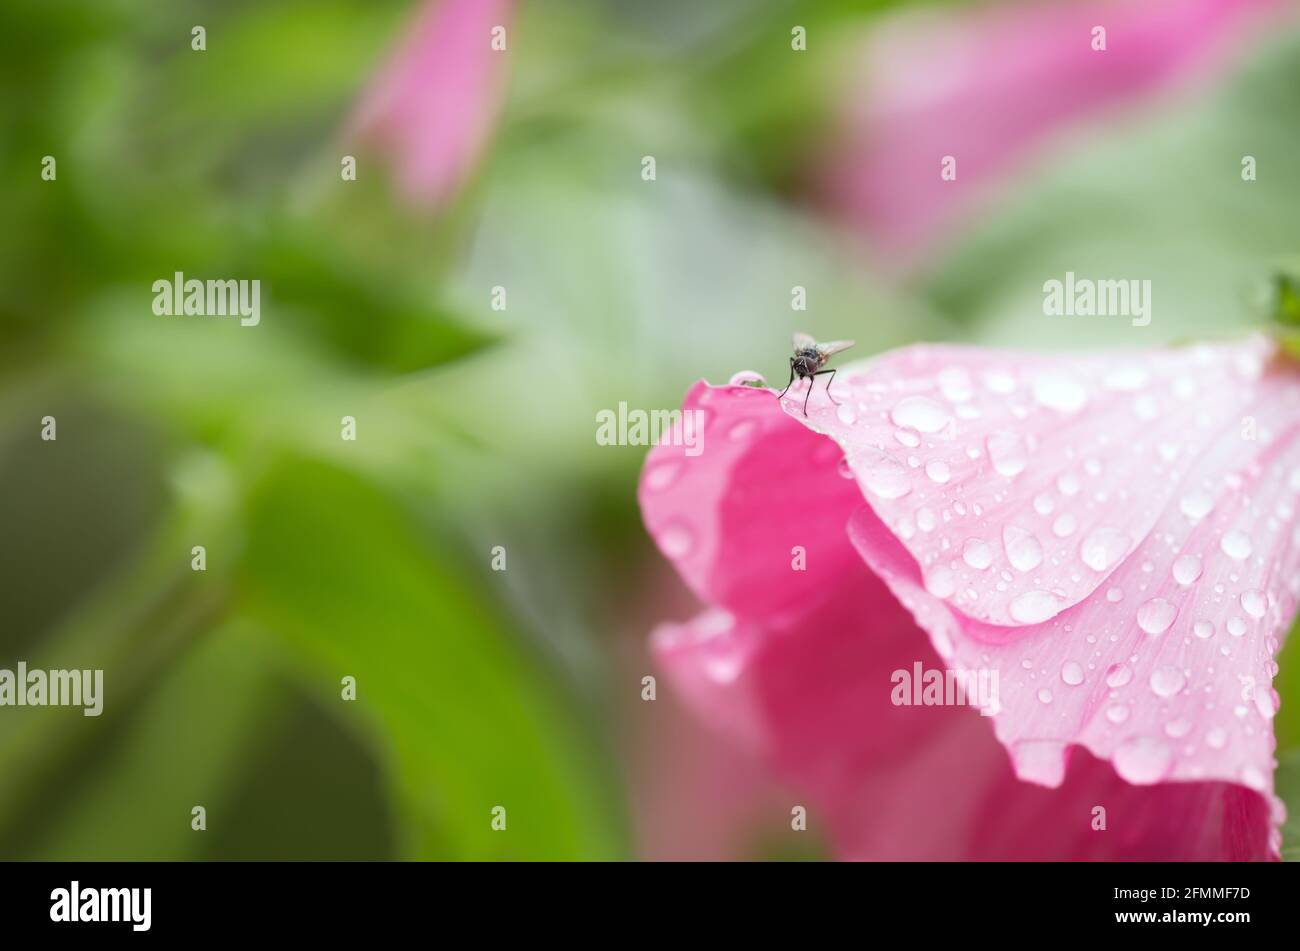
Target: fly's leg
{"points": [[828, 384], [791, 383]]}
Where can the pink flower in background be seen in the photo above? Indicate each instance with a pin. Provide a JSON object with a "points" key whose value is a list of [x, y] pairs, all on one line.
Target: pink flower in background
{"points": [[1116, 538], [936, 86], [432, 106]]}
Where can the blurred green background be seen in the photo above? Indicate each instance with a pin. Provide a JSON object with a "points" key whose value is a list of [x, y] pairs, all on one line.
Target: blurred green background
{"points": [[372, 558]]}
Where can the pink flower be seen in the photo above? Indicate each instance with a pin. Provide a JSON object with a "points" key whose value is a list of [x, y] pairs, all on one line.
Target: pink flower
{"points": [[1114, 539], [989, 86], [434, 103]]}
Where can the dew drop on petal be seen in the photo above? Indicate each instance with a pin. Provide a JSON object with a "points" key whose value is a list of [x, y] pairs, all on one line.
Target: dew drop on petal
{"points": [[1254, 603], [1117, 713], [1254, 778], [920, 413], [941, 582], [1068, 484], [1043, 503], [907, 437], [1196, 505], [883, 475], [1022, 548], [662, 476], [1061, 393], [977, 553], [1045, 696], [1156, 615], [1216, 739], [1115, 595], [1265, 703], [955, 384], [1064, 525], [1187, 569], [925, 519], [676, 541], [1033, 607], [1117, 675], [1071, 673], [1236, 545], [1203, 629], [746, 377], [1103, 547], [938, 471], [844, 413], [1167, 681], [1236, 626], [1008, 454], [1178, 728], [1143, 760]]}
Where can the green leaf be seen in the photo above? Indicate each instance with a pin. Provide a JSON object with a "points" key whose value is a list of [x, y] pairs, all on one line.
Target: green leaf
{"points": [[465, 718]]}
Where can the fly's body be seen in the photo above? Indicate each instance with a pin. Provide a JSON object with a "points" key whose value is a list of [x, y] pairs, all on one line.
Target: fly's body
{"points": [[809, 361]]}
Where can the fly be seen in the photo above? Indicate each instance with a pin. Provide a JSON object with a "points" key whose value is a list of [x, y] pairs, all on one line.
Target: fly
{"points": [[809, 360]]}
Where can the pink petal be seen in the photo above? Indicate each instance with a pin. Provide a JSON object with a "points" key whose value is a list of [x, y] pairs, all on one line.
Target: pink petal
{"points": [[1115, 655], [731, 526], [933, 87], [1170, 557], [812, 694], [434, 103]]}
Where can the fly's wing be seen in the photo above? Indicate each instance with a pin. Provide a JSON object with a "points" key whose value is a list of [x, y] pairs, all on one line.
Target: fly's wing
{"points": [[803, 341], [828, 350]]}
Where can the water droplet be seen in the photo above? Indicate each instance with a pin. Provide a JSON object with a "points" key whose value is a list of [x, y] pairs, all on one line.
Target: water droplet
{"points": [[1044, 503], [1196, 505], [1117, 675], [1156, 615], [844, 413], [998, 382], [1064, 525], [1217, 738], [676, 541], [1045, 695], [907, 437], [1254, 603], [920, 413], [938, 471], [1236, 626], [1059, 392], [1236, 545], [1167, 681], [745, 377], [925, 520], [1203, 629], [1265, 703], [1034, 607], [977, 553], [1254, 778], [1115, 595], [941, 582], [1178, 728], [1071, 673], [1143, 760], [662, 476], [1022, 548], [1117, 713], [883, 475], [1103, 547], [1008, 454], [1187, 568], [955, 384], [1068, 484]]}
